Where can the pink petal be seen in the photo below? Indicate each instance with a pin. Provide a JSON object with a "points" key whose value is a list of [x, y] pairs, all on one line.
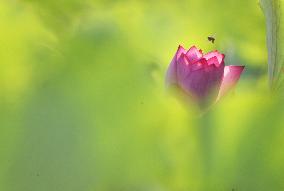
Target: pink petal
{"points": [[213, 60], [230, 79], [180, 51], [195, 83], [198, 65], [183, 68], [171, 77], [216, 54], [194, 54], [203, 84]]}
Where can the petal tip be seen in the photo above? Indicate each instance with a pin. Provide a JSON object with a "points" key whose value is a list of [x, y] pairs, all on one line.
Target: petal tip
{"points": [[180, 47]]}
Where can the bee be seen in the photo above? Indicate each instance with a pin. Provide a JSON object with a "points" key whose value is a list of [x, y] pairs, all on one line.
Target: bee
{"points": [[211, 39]]}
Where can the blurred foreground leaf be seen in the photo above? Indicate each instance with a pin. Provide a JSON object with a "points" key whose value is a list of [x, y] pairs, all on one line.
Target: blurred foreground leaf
{"points": [[273, 11]]}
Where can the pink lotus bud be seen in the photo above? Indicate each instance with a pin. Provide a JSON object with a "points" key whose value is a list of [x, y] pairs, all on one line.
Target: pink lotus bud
{"points": [[203, 78]]}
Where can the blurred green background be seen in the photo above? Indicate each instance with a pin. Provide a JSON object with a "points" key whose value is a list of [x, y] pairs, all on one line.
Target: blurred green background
{"points": [[83, 105]]}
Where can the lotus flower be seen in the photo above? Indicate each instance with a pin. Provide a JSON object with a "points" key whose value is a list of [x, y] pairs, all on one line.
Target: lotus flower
{"points": [[202, 78]]}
